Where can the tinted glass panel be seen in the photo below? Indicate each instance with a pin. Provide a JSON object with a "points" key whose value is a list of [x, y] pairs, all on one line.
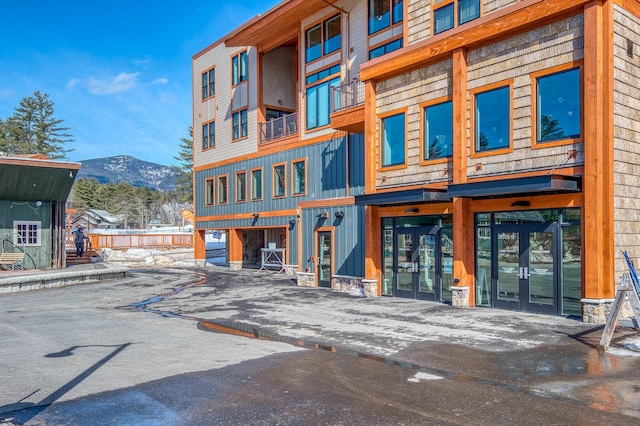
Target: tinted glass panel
{"points": [[256, 184], [393, 140], [314, 43], [379, 15], [212, 134], [205, 86], [571, 263], [558, 106], [332, 35], [438, 131], [278, 181], [222, 190], [397, 11], [298, 178], [443, 19], [241, 186], [492, 114], [205, 136], [468, 10]]}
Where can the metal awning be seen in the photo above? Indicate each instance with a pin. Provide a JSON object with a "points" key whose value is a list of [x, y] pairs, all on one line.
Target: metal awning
{"points": [[409, 196], [517, 186]]}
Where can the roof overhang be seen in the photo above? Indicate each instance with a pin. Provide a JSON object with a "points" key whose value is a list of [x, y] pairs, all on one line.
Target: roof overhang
{"points": [[277, 26], [529, 185], [409, 196], [32, 179]]}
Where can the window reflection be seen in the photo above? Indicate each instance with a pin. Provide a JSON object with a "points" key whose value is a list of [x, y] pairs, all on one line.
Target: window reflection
{"points": [[492, 119], [558, 106]]}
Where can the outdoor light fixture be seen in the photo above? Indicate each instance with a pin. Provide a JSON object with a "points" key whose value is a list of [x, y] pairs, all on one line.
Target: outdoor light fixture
{"points": [[256, 215], [339, 215], [292, 222], [323, 215]]}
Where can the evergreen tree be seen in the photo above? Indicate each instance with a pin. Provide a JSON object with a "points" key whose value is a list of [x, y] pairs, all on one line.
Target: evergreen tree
{"points": [[33, 129], [85, 195], [550, 129], [184, 171]]}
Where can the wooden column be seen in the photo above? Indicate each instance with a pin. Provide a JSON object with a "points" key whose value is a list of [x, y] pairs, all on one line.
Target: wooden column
{"points": [[463, 224], [199, 246], [373, 241], [234, 245], [598, 223], [370, 123]]}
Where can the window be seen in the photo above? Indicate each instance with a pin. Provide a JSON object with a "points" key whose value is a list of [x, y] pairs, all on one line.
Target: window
{"points": [[239, 119], [385, 48], [279, 181], [383, 13], [209, 135], [444, 14], [241, 187], [26, 233], [209, 84], [393, 140], [323, 38], [256, 184], [318, 96], [438, 131], [558, 106], [208, 192], [222, 190], [239, 68], [299, 177], [492, 119]]}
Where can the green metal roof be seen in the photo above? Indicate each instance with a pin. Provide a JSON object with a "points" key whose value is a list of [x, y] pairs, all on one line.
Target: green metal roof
{"points": [[31, 179]]}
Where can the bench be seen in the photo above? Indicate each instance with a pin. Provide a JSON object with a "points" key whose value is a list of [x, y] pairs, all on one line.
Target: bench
{"points": [[13, 260]]}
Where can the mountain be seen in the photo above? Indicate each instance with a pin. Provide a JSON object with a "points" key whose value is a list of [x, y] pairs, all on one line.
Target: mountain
{"points": [[124, 168]]}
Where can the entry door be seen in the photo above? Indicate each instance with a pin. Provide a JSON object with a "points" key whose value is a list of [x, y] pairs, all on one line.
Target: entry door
{"points": [[324, 259], [416, 262], [526, 268]]}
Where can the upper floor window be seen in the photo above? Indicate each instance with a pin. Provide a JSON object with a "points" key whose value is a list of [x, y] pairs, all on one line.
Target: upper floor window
{"points": [[385, 48], [256, 184], [241, 186], [279, 180], [208, 192], [208, 135], [558, 106], [240, 125], [26, 233], [239, 67], [209, 83], [492, 119], [318, 96], [393, 138], [450, 13], [323, 38], [299, 177], [438, 131], [384, 13], [222, 190]]}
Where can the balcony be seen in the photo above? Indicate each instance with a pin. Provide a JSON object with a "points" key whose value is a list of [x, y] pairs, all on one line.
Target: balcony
{"points": [[347, 107], [279, 128]]}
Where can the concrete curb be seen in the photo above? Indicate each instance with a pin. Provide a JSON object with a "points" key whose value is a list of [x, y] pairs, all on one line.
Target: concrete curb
{"points": [[62, 278]]}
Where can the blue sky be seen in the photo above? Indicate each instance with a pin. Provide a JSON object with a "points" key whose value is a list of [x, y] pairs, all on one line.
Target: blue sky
{"points": [[119, 71]]}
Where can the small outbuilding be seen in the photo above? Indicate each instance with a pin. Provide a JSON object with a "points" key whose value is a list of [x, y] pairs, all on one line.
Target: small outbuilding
{"points": [[33, 195]]}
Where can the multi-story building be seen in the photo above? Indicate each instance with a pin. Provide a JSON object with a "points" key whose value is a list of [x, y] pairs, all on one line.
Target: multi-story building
{"points": [[478, 152]]}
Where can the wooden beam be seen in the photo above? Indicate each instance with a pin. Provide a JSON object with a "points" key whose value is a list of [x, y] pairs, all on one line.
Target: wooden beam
{"points": [[460, 116], [370, 123]]}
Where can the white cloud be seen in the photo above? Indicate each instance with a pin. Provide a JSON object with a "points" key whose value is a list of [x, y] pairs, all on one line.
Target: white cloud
{"points": [[161, 80], [123, 82]]}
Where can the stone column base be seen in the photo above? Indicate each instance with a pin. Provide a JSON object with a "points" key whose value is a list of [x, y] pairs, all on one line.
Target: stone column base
{"points": [[235, 265], [306, 279], [370, 288], [460, 297], [290, 270], [596, 311]]}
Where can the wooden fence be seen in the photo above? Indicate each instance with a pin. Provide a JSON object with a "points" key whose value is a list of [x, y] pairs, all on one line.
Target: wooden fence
{"points": [[125, 241]]}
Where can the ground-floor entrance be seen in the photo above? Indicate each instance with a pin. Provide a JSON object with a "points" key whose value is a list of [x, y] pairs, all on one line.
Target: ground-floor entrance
{"points": [[418, 256], [529, 261]]}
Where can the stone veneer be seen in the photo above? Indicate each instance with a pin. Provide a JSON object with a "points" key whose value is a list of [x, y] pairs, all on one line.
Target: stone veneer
{"points": [[306, 279], [347, 284], [460, 297], [235, 265]]}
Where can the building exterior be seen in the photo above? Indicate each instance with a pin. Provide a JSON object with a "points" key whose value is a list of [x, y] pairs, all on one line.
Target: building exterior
{"points": [[477, 152], [33, 195]]}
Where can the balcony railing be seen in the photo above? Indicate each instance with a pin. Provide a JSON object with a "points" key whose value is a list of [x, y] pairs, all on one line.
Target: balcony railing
{"points": [[347, 96], [281, 127]]}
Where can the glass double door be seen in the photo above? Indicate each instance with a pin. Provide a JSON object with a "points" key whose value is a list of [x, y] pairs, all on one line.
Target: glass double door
{"points": [[526, 268], [416, 264]]}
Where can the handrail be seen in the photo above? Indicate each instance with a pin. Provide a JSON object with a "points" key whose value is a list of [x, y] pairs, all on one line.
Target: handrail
{"points": [[280, 127], [4, 249], [347, 96]]}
